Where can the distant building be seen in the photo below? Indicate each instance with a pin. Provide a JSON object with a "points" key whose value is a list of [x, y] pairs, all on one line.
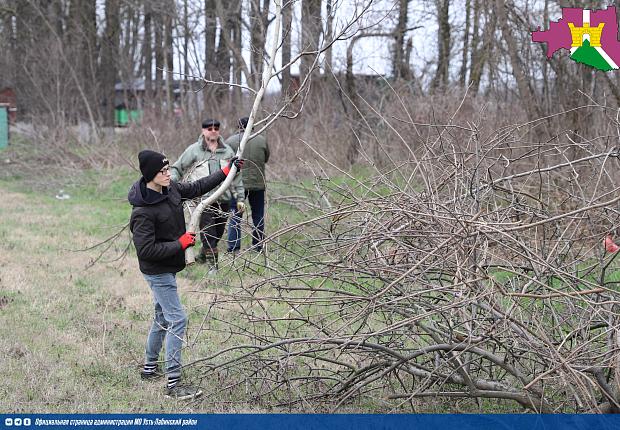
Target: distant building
{"points": [[7, 96], [129, 94], [128, 102], [130, 98]]}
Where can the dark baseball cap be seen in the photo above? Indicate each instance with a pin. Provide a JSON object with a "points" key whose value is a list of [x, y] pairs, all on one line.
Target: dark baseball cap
{"points": [[210, 123]]}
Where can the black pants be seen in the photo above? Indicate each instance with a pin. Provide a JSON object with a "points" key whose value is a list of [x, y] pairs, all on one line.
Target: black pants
{"points": [[256, 198], [212, 224]]}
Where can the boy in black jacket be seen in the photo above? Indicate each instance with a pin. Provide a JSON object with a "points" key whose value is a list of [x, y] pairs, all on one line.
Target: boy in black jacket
{"points": [[158, 227]]}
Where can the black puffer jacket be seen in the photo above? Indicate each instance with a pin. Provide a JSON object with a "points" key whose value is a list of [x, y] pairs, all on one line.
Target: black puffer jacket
{"points": [[157, 222]]}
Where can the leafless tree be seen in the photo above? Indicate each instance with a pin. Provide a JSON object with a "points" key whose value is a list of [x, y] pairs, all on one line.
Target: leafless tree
{"points": [[259, 20], [400, 65], [287, 21], [110, 50], [465, 51], [311, 32], [147, 51], [444, 42]]}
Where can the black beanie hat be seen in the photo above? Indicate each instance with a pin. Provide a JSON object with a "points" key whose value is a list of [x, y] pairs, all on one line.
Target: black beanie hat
{"points": [[210, 123], [243, 122], [151, 163]]}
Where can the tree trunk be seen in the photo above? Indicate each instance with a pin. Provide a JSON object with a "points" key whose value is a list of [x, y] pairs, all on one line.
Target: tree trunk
{"points": [[356, 113], [147, 53], [287, 20], [7, 35], [463, 72], [158, 24], [135, 38], [329, 35], [478, 53], [258, 28], [525, 93], [400, 66], [210, 66], [81, 42], [237, 46], [311, 30], [545, 64], [223, 56], [443, 41], [186, 37], [127, 21], [257, 43], [169, 15], [353, 113], [109, 56], [56, 16], [8, 45], [230, 44], [185, 58]]}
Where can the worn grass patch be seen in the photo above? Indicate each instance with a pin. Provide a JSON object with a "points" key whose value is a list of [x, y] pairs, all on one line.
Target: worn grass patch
{"points": [[73, 333]]}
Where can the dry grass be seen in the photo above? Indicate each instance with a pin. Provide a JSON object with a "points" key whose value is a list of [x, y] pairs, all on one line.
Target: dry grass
{"points": [[73, 336]]}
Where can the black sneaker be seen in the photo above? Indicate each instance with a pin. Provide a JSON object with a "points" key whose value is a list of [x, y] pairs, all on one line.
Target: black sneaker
{"points": [[150, 376], [183, 392], [201, 258]]}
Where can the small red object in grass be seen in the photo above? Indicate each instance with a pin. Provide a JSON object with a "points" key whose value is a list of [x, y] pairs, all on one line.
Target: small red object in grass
{"points": [[610, 245]]}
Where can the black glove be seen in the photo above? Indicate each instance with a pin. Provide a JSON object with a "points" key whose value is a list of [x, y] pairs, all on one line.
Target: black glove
{"points": [[238, 162]]}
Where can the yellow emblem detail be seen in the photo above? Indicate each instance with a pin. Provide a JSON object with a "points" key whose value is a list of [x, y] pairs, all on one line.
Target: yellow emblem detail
{"points": [[577, 34]]}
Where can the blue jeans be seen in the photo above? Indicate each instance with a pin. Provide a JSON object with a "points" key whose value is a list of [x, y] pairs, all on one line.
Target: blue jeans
{"points": [[256, 199], [169, 323]]}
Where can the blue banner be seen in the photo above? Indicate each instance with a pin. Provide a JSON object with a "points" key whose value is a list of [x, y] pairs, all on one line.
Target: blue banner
{"points": [[310, 421]]}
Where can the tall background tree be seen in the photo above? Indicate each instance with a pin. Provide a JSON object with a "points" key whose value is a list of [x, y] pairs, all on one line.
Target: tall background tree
{"points": [[156, 52], [108, 68], [311, 33]]}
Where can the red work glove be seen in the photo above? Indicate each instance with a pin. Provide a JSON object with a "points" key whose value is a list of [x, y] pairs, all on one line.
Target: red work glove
{"points": [[610, 246], [188, 239], [236, 161]]}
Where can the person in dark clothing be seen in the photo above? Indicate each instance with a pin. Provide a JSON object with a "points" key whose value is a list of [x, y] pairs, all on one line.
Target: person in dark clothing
{"points": [[158, 228], [256, 153]]}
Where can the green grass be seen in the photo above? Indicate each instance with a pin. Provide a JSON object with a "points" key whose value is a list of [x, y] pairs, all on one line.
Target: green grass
{"points": [[75, 332], [591, 278]]}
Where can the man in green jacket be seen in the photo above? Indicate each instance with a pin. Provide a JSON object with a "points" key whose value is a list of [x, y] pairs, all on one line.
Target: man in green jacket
{"points": [[208, 155], [256, 155]]}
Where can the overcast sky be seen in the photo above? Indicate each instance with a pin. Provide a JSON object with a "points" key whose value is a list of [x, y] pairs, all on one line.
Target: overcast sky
{"points": [[371, 55]]}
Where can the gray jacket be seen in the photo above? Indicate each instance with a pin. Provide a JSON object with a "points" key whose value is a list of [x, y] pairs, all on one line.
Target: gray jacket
{"points": [[197, 161]]}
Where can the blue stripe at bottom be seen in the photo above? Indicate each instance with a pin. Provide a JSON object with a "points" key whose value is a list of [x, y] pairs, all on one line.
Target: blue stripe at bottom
{"points": [[309, 421]]}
